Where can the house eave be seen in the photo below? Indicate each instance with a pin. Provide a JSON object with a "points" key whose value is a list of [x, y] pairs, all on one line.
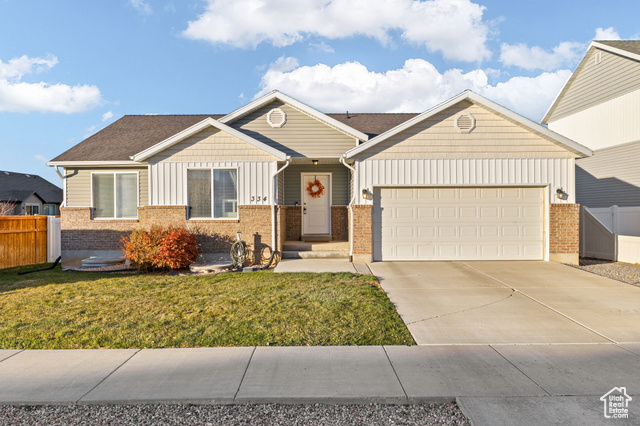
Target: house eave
{"points": [[207, 122], [124, 163]]}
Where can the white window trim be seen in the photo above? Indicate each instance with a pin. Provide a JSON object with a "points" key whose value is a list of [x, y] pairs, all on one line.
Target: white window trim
{"points": [[32, 205], [211, 169], [114, 173]]}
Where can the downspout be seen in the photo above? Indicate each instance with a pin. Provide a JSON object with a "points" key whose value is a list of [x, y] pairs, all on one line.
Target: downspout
{"points": [[273, 203], [353, 197], [64, 185]]}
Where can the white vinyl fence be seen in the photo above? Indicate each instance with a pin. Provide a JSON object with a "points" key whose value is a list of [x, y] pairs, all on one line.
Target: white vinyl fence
{"points": [[611, 233], [53, 238]]}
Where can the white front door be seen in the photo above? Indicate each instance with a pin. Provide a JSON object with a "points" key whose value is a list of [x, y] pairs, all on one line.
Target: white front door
{"points": [[316, 210]]}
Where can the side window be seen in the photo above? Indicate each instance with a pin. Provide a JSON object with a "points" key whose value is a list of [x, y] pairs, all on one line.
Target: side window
{"points": [[115, 195]]}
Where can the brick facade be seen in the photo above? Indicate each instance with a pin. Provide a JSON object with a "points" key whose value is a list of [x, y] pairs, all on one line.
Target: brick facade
{"points": [[79, 232], [362, 230], [293, 222], [340, 223], [564, 233]]}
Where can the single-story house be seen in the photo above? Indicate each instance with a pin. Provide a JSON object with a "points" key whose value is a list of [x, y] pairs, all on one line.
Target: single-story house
{"points": [[465, 180], [25, 194]]}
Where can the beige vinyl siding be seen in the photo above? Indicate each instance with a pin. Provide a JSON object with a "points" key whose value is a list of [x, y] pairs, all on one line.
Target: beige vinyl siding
{"points": [[494, 136], [593, 84], [212, 145], [78, 183], [613, 122], [301, 135], [610, 177], [340, 187]]}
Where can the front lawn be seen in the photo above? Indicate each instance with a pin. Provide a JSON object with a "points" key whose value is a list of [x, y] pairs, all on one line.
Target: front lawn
{"points": [[56, 310]]}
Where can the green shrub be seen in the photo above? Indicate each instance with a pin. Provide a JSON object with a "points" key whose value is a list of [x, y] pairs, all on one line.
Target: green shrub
{"points": [[161, 248]]}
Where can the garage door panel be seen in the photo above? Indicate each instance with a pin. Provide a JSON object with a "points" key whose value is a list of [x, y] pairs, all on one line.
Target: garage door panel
{"points": [[458, 224], [426, 232]]}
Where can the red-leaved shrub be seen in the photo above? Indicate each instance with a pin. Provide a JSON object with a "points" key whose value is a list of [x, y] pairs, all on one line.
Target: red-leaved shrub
{"points": [[161, 248]]}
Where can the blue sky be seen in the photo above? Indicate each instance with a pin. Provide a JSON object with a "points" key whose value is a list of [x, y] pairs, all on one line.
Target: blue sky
{"points": [[71, 67]]}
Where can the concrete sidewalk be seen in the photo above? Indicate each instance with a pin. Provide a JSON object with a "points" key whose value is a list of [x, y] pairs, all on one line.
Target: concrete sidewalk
{"points": [[302, 375]]}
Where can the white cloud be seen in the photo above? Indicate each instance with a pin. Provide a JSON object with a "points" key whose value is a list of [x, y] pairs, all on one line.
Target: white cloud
{"points": [[142, 6], [18, 96], [606, 34], [453, 27], [566, 54], [321, 47], [107, 116], [40, 158], [415, 87]]}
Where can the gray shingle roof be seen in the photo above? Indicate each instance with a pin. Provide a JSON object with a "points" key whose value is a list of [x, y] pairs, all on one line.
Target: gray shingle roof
{"points": [[134, 133], [632, 46], [19, 186]]}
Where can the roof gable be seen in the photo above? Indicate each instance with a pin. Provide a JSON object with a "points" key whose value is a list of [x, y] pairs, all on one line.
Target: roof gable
{"points": [[554, 138], [583, 89], [276, 95], [190, 131]]}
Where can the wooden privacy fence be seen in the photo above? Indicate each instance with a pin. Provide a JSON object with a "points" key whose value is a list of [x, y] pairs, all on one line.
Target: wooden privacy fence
{"points": [[23, 240]]}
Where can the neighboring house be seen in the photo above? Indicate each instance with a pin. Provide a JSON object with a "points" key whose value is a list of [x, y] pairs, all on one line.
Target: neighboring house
{"points": [[30, 194], [599, 107], [466, 180]]}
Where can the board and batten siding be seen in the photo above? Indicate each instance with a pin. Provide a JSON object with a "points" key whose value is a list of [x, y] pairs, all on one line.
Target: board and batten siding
{"points": [[340, 183], [301, 135], [610, 177], [554, 172], [494, 136], [211, 149], [78, 184], [595, 83], [613, 122], [169, 180]]}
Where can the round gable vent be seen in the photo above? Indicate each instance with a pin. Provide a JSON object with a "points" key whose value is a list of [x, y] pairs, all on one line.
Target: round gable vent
{"points": [[276, 117], [465, 123]]}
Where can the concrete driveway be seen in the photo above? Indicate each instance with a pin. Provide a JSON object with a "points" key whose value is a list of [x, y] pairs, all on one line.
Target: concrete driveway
{"points": [[509, 302]]}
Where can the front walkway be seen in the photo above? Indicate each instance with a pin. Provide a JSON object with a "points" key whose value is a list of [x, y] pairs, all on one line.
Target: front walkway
{"points": [[494, 384], [321, 265]]}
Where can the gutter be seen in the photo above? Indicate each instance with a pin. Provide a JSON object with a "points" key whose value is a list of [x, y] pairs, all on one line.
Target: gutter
{"points": [[353, 198], [273, 202]]}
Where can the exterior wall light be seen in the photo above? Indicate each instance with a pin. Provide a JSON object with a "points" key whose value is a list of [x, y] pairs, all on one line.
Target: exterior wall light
{"points": [[365, 193], [315, 162], [560, 193]]}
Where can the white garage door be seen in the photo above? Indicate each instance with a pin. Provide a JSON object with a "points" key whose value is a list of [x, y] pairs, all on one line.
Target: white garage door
{"points": [[458, 224]]}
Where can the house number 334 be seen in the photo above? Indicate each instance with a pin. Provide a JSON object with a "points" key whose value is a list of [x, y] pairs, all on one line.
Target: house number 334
{"points": [[257, 198]]}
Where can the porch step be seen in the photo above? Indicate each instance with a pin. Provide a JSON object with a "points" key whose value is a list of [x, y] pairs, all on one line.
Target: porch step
{"points": [[315, 250], [322, 254], [316, 246]]}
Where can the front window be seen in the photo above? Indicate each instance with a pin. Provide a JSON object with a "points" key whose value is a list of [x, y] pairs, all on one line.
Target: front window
{"points": [[115, 195], [213, 194]]}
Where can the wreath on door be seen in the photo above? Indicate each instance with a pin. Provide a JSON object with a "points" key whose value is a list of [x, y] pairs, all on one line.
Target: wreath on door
{"points": [[315, 188]]}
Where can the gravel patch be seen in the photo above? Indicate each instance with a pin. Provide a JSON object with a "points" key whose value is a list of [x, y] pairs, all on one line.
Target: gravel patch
{"points": [[626, 272], [269, 414]]}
